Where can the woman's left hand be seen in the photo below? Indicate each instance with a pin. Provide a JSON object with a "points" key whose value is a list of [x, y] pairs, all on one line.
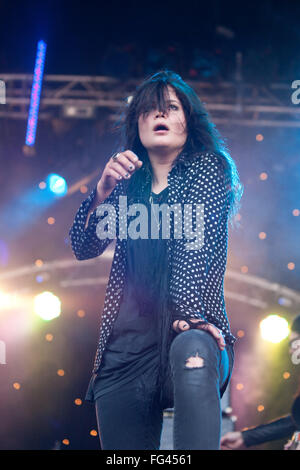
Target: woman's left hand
{"points": [[209, 327]]}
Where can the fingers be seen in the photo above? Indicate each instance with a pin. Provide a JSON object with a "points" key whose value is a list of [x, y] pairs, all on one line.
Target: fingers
{"points": [[180, 325], [225, 441], [115, 170], [113, 173], [225, 445], [216, 333], [126, 164]]}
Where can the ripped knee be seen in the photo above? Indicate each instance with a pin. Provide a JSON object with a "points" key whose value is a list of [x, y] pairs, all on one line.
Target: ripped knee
{"points": [[194, 362]]}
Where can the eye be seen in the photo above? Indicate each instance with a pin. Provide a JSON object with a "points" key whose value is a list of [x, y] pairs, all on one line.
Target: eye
{"points": [[173, 106]]}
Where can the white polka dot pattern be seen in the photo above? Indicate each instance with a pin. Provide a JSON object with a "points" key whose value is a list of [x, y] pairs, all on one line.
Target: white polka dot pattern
{"points": [[197, 276]]}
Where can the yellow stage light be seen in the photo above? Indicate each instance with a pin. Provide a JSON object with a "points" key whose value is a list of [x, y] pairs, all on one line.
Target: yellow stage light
{"points": [[47, 306], [274, 328], [7, 300]]}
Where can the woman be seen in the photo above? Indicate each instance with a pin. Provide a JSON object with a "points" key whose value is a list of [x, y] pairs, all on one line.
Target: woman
{"points": [[164, 335]]}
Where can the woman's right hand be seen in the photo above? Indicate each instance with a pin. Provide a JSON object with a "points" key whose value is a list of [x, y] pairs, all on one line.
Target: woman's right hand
{"points": [[123, 167]]}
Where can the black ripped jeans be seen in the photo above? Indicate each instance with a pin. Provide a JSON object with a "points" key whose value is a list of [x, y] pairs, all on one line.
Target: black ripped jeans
{"points": [[132, 416]]}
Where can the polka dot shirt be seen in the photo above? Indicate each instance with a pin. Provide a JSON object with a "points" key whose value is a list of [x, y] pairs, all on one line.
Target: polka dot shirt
{"points": [[197, 275]]}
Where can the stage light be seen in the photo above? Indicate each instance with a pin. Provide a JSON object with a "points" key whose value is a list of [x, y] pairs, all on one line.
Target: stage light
{"points": [[57, 184], [262, 235], [7, 301], [83, 189], [82, 111], [47, 306], [36, 93], [274, 328], [81, 313], [284, 302], [291, 266]]}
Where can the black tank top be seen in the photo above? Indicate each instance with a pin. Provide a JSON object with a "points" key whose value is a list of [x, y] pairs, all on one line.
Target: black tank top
{"points": [[132, 348]]}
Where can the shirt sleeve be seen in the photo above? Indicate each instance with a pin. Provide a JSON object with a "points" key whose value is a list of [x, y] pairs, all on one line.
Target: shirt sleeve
{"points": [[277, 429], [85, 242], [189, 266]]}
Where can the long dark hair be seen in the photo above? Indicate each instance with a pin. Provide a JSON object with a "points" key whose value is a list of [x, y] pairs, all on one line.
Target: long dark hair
{"points": [[202, 134]]}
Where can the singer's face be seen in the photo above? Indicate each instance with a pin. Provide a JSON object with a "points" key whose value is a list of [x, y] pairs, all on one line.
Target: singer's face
{"points": [[173, 133]]}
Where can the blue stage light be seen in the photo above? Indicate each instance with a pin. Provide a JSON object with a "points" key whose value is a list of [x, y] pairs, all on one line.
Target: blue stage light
{"points": [[57, 184], [35, 93]]}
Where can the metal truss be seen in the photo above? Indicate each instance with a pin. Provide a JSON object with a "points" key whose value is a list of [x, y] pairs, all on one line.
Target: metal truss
{"points": [[229, 103], [255, 291]]}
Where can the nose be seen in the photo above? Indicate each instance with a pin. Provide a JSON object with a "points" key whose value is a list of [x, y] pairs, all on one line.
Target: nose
{"points": [[159, 113]]}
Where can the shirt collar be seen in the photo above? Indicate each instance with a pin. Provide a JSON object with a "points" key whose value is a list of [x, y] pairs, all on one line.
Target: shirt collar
{"points": [[185, 159]]}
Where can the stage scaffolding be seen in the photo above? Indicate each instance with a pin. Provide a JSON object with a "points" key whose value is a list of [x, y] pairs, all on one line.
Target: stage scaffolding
{"points": [[77, 96]]}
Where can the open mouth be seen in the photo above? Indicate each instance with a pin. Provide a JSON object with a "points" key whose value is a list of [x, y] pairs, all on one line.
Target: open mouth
{"points": [[160, 128]]}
